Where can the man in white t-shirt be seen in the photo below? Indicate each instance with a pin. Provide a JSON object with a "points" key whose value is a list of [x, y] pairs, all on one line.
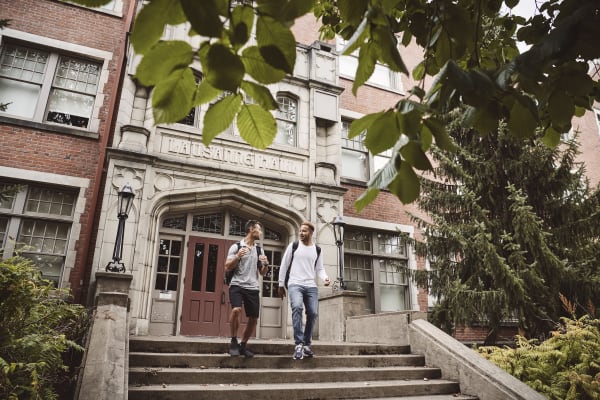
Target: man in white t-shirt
{"points": [[303, 262]]}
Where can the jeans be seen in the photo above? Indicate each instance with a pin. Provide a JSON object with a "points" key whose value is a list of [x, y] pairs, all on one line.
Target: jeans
{"points": [[309, 297]]}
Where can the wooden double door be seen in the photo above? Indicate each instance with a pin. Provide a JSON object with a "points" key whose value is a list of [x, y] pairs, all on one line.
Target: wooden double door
{"points": [[206, 307]]}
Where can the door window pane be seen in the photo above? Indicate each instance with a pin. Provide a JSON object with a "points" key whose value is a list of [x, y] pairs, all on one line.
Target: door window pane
{"points": [[168, 265], [211, 267]]}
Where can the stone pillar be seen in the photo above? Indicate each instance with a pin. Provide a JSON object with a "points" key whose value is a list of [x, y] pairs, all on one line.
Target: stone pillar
{"points": [[335, 308], [106, 362]]}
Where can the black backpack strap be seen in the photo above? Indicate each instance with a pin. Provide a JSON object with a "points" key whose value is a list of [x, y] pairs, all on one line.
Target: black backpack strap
{"points": [[287, 273]]}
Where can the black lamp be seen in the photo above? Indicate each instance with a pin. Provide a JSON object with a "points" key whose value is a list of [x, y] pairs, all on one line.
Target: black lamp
{"points": [[338, 233], [126, 196]]}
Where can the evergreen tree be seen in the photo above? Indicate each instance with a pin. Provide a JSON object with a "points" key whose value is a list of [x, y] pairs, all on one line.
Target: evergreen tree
{"points": [[511, 225]]}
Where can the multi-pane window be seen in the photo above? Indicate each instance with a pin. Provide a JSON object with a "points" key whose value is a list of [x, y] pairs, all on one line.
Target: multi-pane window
{"points": [[212, 223], [169, 264], [40, 219], [356, 159], [377, 262], [286, 117], [48, 87], [271, 278], [355, 156], [382, 75]]}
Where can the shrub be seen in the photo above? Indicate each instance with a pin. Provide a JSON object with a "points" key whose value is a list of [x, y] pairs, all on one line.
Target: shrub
{"points": [[41, 334], [564, 367]]}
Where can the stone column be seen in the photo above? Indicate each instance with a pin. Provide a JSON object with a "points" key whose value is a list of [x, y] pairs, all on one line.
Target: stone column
{"points": [[106, 363], [335, 308]]}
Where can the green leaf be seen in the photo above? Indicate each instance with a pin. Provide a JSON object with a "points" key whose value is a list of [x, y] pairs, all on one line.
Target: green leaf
{"points": [[366, 198], [438, 130], [388, 49], [276, 43], [481, 119], [551, 137], [172, 97], [222, 69], [522, 121], [205, 93], [383, 133], [242, 19], [367, 58], [360, 125], [285, 11], [561, 108], [203, 16], [260, 94], [419, 71], [219, 117], [258, 68], [414, 155], [162, 60], [406, 186], [150, 23], [257, 126]]}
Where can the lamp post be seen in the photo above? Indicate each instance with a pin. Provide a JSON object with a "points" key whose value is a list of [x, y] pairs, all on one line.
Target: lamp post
{"points": [[126, 196], [338, 233]]}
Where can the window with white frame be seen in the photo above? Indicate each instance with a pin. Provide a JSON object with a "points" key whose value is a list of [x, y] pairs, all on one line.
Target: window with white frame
{"points": [[382, 76], [287, 118], [377, 263], [45, 86], [35, 222], [355, 157]]}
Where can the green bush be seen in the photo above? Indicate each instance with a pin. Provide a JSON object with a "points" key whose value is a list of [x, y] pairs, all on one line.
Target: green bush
{"points": [[564, 367], [41, 334]]}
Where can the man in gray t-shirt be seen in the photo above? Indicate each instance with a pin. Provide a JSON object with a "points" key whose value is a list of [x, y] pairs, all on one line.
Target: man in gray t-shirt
{"points": [[244, 287]]}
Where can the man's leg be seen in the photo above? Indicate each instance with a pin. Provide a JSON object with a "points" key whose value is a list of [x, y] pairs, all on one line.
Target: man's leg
{"points": [[311, 301], [234, 318], [252, 306], [296, 304]]}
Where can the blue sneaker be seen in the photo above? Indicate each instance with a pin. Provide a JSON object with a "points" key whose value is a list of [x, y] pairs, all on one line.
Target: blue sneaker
{"points": [[308, 351], [298, 353]]}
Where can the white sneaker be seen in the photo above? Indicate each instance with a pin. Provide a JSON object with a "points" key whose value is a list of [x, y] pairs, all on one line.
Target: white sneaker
{"points": [[298, 353]]}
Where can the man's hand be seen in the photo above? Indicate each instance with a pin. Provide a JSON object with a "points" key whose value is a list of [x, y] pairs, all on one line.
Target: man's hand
{"points": [[281, 292], [326, 281]]}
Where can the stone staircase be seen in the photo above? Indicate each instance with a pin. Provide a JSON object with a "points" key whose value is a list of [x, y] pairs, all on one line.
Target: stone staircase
{"points": [[197, 368]]}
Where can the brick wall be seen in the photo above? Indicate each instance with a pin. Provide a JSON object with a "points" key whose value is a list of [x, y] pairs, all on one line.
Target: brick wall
{"points": [[61, 152]]}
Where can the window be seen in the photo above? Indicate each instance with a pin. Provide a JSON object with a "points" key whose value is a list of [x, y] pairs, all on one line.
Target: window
{"points": [[169, 263], [286, 117], [377, 262], [355, 157], [382, 76], [40, 218], [48, 87]]}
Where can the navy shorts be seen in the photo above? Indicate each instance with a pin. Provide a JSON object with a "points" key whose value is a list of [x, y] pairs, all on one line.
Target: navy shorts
{"points": [[249, 298]]}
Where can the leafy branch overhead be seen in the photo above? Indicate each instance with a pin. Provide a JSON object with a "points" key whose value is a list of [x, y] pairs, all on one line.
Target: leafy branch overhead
{"points": [[470, 57]]}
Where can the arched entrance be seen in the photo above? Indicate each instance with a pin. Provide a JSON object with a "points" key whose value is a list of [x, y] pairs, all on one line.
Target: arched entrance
{"points": [[188, 293]]}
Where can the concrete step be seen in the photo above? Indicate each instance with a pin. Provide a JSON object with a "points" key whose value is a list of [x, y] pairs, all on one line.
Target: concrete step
{"points": [[204, 376], [187, 360], [191, 344], [296, 391]]}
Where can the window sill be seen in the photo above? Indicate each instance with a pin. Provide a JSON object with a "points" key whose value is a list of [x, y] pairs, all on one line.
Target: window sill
{"points": [[49, 127]]}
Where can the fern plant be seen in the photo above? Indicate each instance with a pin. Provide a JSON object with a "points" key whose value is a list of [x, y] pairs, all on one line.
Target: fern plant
{"points": [[40, 334], [566, 366]]}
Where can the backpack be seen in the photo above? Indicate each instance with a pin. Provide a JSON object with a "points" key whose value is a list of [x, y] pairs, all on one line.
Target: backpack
{"points": [[294, 248], [229, 274]]}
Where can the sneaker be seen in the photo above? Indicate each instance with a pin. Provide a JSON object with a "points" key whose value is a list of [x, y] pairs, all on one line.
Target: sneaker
{"points": [[307, 351], [234, 348], [245, 352], [298, 353]]}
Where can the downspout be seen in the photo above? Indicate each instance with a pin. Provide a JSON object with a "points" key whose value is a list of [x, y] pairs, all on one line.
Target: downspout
{"points": [[85, 287]]}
